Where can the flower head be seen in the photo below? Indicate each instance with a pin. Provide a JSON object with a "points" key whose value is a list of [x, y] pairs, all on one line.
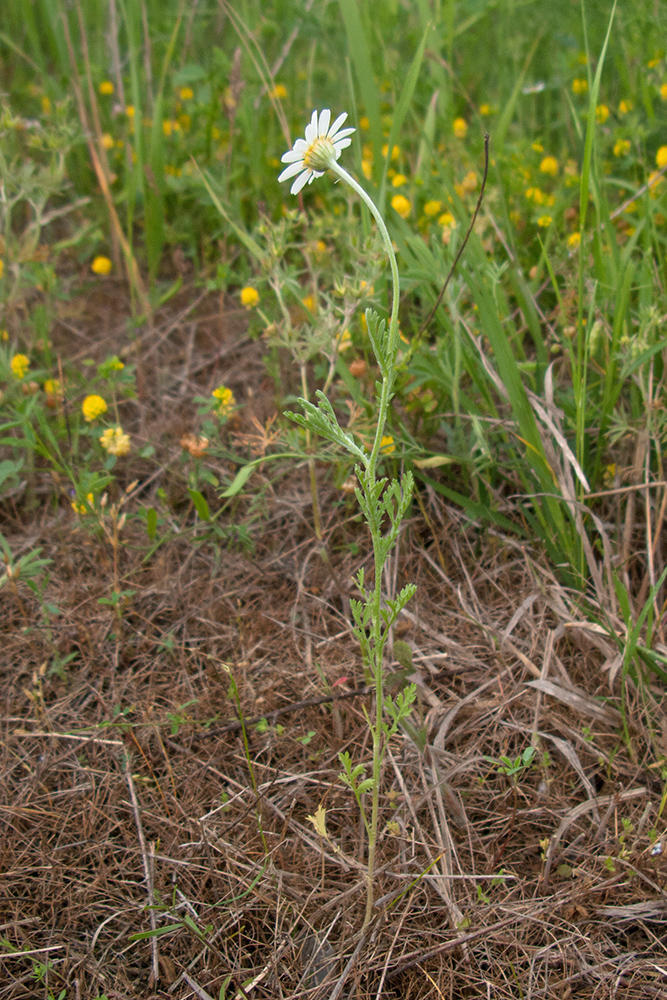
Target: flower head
{"points": [[186, 93], [226, 401], [661, 157], [196, 446], [322, 146], [19, 365], [115, 441], [101, 265], [249, 297], [106, 88], [549, 165], [402, 205], [460, 128], [93, 407]]}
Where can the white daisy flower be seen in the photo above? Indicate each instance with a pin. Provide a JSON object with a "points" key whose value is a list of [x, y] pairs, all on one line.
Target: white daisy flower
{"points": [[310, 157]]}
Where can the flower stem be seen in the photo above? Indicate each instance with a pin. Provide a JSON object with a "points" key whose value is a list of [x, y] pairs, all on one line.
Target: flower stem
{"points": [[375, 525]]}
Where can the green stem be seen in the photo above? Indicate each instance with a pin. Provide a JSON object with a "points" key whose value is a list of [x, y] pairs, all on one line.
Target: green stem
{"points": [[387, 382], [375, 526]]}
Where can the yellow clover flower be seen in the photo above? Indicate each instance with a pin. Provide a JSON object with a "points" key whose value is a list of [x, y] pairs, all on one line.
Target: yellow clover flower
{"points": [[106, 88], [101, 265], [387, 445], [460, 127], [107, 141], [621, 147], [624, 107], [114, 441], [402, 205], [661, 158], [249, 297], [544, 221], [398, 180], [432, 207], [573, 240], [186, 93], [601, 113], [279, 92], [226, 401], [93, 407], [2, 267], [19, 365], [663, 92], [579, 86], [549, 165]]}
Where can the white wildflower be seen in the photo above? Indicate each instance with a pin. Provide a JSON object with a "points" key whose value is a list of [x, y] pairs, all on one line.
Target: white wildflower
{"points": [[310, 157]]}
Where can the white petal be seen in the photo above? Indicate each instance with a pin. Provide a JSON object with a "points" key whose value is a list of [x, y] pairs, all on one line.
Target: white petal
{"points": [[341, 144], [301, 181], [294, 168], [291, 155], [342, 134], [337, 124], [325, 118], [311, 129]]}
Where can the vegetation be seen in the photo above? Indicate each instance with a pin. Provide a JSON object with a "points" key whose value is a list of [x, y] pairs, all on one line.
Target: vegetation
{"points": [[198, 368]]}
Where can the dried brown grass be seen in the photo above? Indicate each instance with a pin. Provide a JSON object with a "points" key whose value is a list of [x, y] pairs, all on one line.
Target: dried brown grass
{"points": [[125, 812]]}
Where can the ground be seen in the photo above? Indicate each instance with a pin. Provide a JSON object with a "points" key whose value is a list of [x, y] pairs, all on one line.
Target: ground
{"points": [[155, 846]]}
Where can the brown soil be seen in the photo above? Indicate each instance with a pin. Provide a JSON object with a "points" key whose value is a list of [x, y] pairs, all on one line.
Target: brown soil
{"points": [[127, 801]]}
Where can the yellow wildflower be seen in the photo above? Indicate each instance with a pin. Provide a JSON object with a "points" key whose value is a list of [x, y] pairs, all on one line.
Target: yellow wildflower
{"points": [[107, 141], [387, 445], [661, 158], [106, 88], [549, 165], [573, 240], [395, 153], [2, 267], [398, 180], [93, 407], [310, 303], [579, 86], [432, 207], [19, 365], [101, 265], [4, 335], [460, 127], [184, 122], [621, 147], [485, 109], [538, 147], [186, 93], [364, 122], [367, 169], [601, 113], [167, 127], [544, 221], [81, 508], [447, 219], [249, 297], [652, 63], [129, 111], [624, 107], [114, 441], [469, 182], [226, 401], [46, 105], [279, 92], [402, 205], [663, 91]]}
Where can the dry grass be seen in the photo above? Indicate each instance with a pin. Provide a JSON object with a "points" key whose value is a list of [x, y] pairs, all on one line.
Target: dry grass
{"points": [[125, 812]]}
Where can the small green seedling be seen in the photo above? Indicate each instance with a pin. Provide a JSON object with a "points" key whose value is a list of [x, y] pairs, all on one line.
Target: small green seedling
{"points": [[513, 768]]}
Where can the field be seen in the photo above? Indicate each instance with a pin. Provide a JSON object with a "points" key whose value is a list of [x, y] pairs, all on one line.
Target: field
{"points": [[333, 656]]}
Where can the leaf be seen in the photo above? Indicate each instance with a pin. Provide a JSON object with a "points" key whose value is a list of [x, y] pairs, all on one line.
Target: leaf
{"points": [[201, 506], [403, 654]]}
